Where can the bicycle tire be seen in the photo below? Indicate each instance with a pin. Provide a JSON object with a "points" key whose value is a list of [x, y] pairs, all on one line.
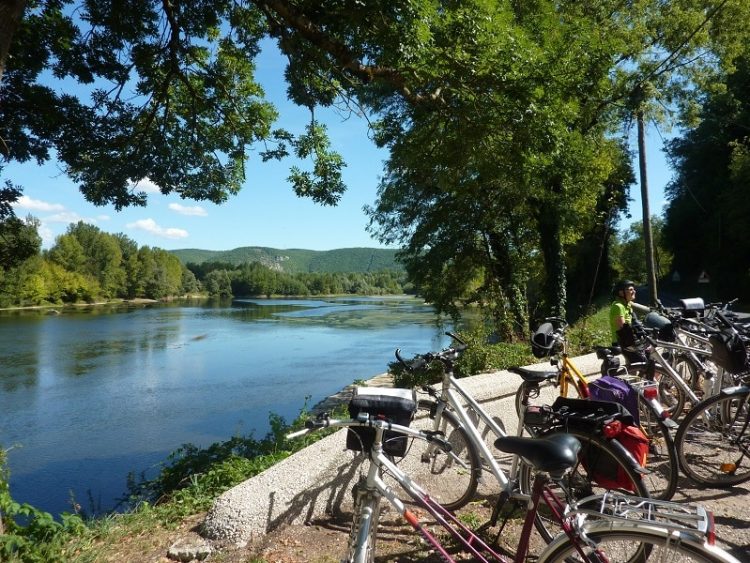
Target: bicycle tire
{"points": [[363, 533], [578, 481], [713, 436], [671, 396], [626, 542], [451, 478], [662, 455]]}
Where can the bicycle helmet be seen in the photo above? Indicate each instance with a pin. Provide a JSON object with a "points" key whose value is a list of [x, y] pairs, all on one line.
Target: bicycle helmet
{"points": [[622, 285]]}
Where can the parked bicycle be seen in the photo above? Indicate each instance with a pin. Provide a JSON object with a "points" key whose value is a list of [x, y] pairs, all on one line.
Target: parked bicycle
{"points": [[453, 478], [608, 528], [550, 341]]}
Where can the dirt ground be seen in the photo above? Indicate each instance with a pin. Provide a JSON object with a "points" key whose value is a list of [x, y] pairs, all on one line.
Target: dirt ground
{"points": [[324, 540]]}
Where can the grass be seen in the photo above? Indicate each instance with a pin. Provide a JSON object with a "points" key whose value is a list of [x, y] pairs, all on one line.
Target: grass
{"points": [[192, 478]]}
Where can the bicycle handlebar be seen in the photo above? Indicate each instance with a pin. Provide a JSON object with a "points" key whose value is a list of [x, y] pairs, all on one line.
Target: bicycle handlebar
{"points": [[447, 355], [370, 422]]}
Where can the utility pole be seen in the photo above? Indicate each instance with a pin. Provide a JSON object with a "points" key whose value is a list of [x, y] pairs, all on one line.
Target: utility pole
{"points": [[647, 234]]}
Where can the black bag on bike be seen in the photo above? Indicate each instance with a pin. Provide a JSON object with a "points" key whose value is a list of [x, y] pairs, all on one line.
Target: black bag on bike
{"points": [[589, 416], [664, 326], [729, 351], [394, 405], [543, 342]]}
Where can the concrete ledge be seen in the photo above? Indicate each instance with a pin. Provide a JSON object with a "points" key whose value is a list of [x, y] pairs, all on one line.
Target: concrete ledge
{"points": [[318, 479]]}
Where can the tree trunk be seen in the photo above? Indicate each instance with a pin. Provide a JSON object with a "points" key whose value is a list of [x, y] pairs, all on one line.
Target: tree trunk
{"points": [[647, 233], [507, 291], [555, 293], [10, 17]]}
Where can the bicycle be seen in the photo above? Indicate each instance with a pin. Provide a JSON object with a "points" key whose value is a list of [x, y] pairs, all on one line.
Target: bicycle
{"points": [[713, 440], [453, 479], [549, 341], [607, 528]]}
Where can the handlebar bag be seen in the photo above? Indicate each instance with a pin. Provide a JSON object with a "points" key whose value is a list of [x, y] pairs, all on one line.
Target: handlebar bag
{"points": [[394, 405]]}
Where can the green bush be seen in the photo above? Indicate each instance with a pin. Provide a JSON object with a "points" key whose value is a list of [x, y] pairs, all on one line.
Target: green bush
{"points": [[480, 356]]}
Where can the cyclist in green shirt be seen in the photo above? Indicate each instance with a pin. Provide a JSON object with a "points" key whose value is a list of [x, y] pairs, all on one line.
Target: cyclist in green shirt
{"points": [[621, 314]]}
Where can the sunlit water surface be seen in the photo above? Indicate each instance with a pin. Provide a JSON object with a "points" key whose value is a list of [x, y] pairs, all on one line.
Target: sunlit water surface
{"points": [[88, 396]]}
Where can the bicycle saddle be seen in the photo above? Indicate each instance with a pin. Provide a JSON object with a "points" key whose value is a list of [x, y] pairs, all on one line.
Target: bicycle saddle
{"points": [[553, 454], [533, 376]]}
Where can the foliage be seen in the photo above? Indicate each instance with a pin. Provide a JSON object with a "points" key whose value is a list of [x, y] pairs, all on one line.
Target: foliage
{"points": [[709, 199], [293, 261], [589, 331], [86, 264], [255, 279], [164, 85], [480, 356], [628, 255]]}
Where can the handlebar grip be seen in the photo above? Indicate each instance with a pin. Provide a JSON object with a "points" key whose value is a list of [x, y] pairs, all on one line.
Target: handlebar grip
{"points": [[456, 337], [298, 433]]}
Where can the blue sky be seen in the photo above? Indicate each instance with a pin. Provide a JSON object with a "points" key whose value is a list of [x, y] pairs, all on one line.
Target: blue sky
{"points": [[266, 212]]}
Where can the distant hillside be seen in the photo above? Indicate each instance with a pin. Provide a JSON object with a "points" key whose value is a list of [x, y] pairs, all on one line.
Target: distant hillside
{"points": [[296, 260]]}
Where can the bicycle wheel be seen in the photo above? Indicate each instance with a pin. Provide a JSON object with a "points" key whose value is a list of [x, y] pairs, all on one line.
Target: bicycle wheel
{"points": [[671, 395], [581, 482], [662, 456], [451, 478], [363, 533], [625, 542], [713, 442]]}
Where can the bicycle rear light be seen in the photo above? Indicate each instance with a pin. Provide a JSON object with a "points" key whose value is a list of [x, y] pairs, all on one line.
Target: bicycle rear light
{"points": [[650, 392]]}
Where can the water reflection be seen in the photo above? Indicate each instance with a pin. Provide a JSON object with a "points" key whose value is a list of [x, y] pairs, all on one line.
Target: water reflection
{"points": [[122, 386]]}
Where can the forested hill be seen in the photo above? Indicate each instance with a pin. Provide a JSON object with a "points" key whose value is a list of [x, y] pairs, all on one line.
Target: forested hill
{"points": [[297, 260]]}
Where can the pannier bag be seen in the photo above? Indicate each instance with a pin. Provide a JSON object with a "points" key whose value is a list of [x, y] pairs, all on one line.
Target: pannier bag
{"points": [[394, 405], [729, 351], [608, 388], [591, 416], [603, 468], [543, 341]]}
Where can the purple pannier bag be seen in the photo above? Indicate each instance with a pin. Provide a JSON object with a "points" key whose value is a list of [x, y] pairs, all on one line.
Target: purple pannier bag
{"points": [[608, 388]]}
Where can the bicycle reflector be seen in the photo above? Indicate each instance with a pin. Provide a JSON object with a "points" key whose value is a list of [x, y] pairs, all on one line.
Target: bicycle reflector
{"points": [[612, 429], [728, 467], [650, 392]]}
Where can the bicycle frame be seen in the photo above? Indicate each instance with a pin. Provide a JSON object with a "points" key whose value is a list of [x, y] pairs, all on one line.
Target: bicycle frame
{"points": [[696, 526], [451, 394], [570, 375], [471, 542]]}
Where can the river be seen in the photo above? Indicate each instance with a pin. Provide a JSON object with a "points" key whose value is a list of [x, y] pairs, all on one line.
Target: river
{"points": [[89, 395]]}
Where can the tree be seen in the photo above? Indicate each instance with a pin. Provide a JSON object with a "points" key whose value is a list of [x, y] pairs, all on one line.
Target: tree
{"points": [[507, 105], [630, 259], [173, 98], [19, 240], [710, 195]]}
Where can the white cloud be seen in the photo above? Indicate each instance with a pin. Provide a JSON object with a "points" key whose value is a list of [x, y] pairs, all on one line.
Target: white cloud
{"points": [[66, 217], [145, 185], [195, 211], [150, 226], [25, 202]]}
